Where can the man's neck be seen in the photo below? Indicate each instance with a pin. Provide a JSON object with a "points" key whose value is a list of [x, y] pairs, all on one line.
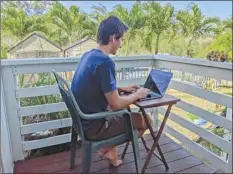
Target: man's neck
{"points": [[104, 48]]}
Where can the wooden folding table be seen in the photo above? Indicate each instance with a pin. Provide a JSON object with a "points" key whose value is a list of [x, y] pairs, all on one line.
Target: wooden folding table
{"points": [[167, 100]]}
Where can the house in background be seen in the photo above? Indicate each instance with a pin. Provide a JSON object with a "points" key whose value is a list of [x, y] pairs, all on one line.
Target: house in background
{"points": [[79, 47], [35, 46]]}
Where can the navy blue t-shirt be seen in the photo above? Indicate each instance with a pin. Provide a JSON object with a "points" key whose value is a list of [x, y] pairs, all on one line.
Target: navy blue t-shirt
{"points": [[94, 76]]}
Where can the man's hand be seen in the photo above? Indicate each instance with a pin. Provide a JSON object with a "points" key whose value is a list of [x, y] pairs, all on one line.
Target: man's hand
{"points": [[142, 92], [129, 89], [117, 102]]}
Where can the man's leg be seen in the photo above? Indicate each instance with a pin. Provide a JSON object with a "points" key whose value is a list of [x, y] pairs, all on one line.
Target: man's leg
{"points": [[139, 122], [116, 126]]}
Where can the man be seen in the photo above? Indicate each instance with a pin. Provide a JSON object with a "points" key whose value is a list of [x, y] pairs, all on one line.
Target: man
{"points": [[94, 87]]}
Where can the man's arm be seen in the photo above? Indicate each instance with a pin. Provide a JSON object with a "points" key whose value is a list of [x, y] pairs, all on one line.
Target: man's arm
{"points": [[117, 102], [106, 78], [130, 88]]}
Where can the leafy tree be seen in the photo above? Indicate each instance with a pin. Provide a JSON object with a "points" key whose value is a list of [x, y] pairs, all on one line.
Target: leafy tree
{"points": [[67, 22], [100, 12], [3, 52], [223, 43], [30, 7], [224, 26], [19, 24], [133, 18], [193, 24], [158, 20]]}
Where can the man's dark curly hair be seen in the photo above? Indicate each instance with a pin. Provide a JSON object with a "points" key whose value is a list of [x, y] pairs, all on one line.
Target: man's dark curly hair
{"points": [[108, 27]]}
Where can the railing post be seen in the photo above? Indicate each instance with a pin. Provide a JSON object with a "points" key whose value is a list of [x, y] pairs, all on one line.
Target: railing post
{"points": [[9, 88], [229, 138]]}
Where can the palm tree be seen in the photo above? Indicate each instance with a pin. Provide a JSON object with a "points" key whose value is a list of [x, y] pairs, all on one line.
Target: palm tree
{"points": [[19, 24], [193, 24], [100, 12], [30, 7], [134, 19], [224, 26], [67, 22], [92, 23], [158, 20]]}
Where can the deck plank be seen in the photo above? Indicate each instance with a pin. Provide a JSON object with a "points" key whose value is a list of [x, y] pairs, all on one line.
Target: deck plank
{"points": [[66, 155], [103, 166], [202, 168], [176, 166], [130, 167], [64, 164], [179, 160], [45, 160]]}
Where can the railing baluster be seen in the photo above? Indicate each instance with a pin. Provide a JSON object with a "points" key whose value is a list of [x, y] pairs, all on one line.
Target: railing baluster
{"points": [[9, 87]]}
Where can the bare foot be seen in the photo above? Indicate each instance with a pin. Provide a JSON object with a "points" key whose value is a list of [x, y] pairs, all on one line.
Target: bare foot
{"points": [[115, 163], [111, 155]]}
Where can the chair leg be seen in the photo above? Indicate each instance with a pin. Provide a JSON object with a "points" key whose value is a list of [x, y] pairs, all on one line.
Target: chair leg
{"points": [[86, 157], [136, 151], [125, 149], [74, 136]]}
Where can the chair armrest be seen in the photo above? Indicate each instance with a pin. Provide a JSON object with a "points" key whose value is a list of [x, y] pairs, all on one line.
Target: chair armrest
{"points": [[107, 114]]}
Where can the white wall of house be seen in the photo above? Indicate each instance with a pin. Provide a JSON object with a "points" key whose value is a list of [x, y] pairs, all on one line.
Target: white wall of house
{"points": [[80, 48], [6, 151], [35, 47], [35, 54]]}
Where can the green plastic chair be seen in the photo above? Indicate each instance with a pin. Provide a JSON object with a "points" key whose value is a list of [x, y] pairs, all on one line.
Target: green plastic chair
{"points": [[88, 146]]}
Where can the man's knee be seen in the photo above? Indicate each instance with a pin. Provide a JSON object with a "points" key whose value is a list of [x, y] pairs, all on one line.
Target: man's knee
{"points": [[139, 120]]}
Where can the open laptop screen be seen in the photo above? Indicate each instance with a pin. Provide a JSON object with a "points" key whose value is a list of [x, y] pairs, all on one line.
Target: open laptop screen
{"points": [[161, 80], [150, 84]]}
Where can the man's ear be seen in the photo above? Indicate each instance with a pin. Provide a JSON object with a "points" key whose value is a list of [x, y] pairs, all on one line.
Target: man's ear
{"points": [[111, 38]]}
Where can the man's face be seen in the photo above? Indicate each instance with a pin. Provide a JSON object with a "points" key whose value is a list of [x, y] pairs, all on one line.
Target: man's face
{"points": [[116, 44]]}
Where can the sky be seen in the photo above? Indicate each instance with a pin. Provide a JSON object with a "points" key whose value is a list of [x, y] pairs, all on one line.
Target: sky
{"points": [[222, 9]]}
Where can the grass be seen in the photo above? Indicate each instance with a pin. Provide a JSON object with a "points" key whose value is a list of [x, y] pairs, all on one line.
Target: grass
{"points": [[192, 117]]}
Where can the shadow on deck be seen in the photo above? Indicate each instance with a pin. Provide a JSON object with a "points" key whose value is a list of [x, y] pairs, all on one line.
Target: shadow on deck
{"points": [[179, 161]]}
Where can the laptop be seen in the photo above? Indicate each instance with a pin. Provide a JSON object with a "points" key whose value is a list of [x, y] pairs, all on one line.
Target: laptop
{"points": [[157, 82]]}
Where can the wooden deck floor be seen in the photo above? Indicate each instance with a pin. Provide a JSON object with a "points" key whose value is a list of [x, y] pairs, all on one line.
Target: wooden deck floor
{"points": [[179, 161]]}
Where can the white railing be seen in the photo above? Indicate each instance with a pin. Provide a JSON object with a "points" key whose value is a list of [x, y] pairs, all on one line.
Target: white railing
{"points": [[6, 160], [219, 71], [11, 69]]}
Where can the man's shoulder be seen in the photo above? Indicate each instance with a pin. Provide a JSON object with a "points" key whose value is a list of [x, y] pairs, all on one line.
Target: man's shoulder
{"points": [[97, 57]]}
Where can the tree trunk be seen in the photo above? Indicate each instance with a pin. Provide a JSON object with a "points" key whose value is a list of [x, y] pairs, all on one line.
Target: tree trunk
{"points": [[151, 44], [127, 47], [157, 44], [188, 52]]}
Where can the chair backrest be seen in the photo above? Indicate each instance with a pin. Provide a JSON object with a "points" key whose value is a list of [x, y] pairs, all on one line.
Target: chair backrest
{"points": [[71, 104]]}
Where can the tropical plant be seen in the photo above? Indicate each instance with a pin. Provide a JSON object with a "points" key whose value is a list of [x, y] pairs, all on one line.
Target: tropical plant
{"points": [[3, 52], [224, 26], [19, 24], [100, 12], [93, 20], [30, 7], [223, 43], [193, 24], [67, 22], [158, 20], [133, 18]]}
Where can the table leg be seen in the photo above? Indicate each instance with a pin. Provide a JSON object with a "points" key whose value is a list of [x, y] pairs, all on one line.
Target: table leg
{"points": [[163, 159], [156, 139], [144, 143]]}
